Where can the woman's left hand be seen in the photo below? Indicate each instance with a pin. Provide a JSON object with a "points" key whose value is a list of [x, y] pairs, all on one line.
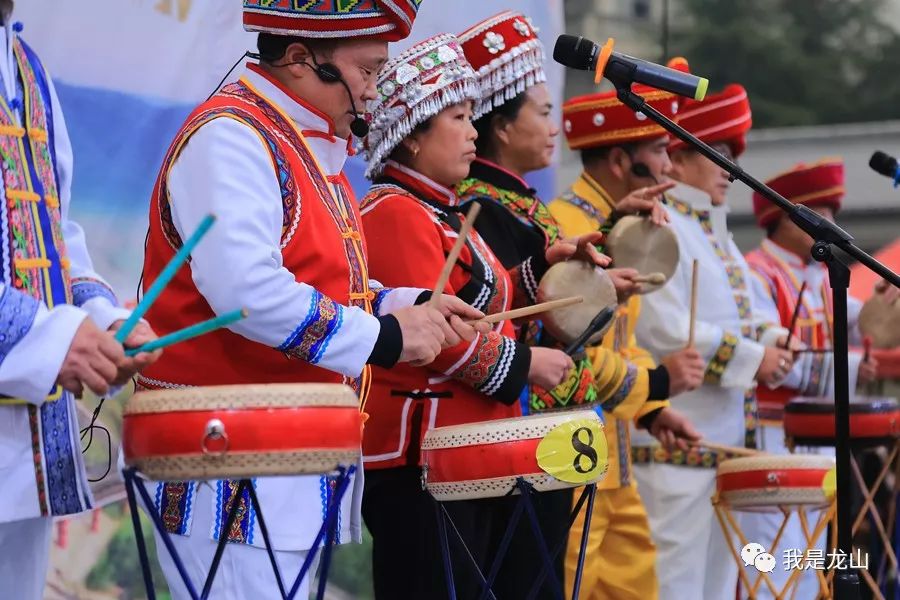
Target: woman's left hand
{"points": [[580, 248]]}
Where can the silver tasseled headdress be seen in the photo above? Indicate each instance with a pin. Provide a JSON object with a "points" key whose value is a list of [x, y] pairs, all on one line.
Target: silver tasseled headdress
{"points": [[414, 86]]}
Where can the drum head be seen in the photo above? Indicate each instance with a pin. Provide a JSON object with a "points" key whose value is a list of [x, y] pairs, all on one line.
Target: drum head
{"points": [[636, 243], [881, 321], [576, 278]]}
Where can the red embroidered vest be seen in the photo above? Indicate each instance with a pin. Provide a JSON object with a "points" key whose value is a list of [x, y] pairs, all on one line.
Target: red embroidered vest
{"points": [[322, 245]]}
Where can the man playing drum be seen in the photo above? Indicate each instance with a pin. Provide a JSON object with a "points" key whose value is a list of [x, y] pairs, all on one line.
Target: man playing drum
{"points": [[781, 266], [265, 155], [621, 555], [694, 560], [59, 318]]}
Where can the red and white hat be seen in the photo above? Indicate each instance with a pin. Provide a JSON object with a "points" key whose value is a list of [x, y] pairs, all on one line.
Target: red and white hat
{"points": [[507, 56], [388, 20], [723, 117], [818, 184], [600, 119], [413, 87]]}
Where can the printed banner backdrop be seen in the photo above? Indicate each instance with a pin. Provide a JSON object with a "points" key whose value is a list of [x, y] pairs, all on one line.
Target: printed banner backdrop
{"points": [[129, 71]]}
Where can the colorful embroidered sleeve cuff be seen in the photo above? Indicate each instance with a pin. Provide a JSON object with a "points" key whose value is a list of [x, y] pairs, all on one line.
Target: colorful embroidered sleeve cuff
{"points": [[525, 280], [724, 353], [17, 314], [736, 366], [496, 366], [387, 300], [86, 289]]}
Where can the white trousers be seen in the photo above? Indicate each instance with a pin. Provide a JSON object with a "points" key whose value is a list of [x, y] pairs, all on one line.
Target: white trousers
{"points": [[244, 572], [763, 527], [692, 556], [24, 556]]}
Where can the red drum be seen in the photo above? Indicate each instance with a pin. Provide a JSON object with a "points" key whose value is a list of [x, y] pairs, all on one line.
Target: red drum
{"points": [[767, 482], [810, 421], [483, 460], [232, 432]]}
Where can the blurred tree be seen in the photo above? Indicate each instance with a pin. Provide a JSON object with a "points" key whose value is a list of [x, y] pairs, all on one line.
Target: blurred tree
{"points": [[803, 62]]}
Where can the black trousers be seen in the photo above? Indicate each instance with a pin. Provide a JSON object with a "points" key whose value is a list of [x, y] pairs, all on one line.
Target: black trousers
{"points": [[406, 554]]}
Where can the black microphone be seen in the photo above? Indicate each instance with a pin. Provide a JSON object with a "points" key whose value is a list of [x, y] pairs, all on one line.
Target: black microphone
{"points": [[577, 52], [886, 165], [597, 323], [639, 169]]}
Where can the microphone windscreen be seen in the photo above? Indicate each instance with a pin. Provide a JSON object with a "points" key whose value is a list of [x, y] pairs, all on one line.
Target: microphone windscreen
{"points": [[359, 127], [574, 52], [883, 163]]}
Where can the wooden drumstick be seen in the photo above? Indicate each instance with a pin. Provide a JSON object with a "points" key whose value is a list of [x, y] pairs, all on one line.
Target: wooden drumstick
{"points": [[534, 309], [724, 448], [795, 316], [696, 266], [438, 290], [651, 278]]}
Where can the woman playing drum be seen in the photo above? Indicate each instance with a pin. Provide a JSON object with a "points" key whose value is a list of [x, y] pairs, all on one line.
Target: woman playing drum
{"points": [[420, 145]]}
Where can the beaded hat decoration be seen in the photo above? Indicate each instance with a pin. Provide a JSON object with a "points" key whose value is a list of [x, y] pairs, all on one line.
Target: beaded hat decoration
{"points": [[388, 20], [507, 56], [413, 87]]}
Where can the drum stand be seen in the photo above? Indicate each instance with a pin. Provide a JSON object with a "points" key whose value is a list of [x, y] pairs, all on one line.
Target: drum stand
{"points": [[524, 504], [888, 567], [731, 528], [326, 532], [826, 235]]}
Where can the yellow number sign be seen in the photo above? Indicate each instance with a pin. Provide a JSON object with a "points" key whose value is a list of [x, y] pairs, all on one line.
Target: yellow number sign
{"points": [[575, 451]]}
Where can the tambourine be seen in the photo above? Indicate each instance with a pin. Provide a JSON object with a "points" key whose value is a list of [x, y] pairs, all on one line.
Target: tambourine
{"points": [[576, 278], [636, 243], [881, 321]]}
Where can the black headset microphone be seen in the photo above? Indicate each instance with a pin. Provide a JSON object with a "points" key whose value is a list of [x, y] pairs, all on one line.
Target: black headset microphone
{"points": [[326, 72]]}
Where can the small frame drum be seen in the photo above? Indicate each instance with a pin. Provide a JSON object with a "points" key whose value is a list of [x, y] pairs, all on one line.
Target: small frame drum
{"points": [[881, 321], [576, 278], [242, 431], [809, 421], [636, 243], [484, 460], [766, 482]]}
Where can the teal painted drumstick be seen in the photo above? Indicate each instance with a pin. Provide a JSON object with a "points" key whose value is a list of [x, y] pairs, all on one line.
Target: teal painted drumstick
{"points": [[164, 278], [182, 335]]}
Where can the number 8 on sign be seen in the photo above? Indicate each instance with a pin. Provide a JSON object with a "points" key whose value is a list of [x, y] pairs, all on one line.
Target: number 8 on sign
{"points": [[575, 451]]}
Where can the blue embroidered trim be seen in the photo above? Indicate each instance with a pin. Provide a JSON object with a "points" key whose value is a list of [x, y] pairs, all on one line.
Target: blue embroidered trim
{"points": [[242, 530], [88, 289], [174, 500], [59, 458], [624, 388], [17, 312], [380, 295], [310, 340], [327, 486]]}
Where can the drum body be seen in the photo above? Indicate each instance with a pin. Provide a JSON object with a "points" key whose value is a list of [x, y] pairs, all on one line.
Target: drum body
{"points": [[766, 482], [242, 431], [576, 278], [483, 460], [810, 421], [636, 243]]}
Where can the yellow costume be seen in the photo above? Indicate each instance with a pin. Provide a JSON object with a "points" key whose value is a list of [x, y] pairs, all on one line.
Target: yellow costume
{"points": [[620, 557]]}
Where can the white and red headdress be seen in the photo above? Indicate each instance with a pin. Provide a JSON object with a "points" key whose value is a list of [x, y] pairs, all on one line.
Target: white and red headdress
{"points": [[507, 56], [413, 87]]}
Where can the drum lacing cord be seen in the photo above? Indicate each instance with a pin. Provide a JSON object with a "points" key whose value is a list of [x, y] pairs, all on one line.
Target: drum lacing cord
{"points": [[90, 429]]}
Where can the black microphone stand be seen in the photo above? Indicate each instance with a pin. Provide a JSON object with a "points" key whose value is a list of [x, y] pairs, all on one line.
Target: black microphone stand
{"points": [[826, 235]]}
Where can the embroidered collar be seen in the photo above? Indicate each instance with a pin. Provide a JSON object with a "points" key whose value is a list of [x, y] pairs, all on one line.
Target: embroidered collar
{"points": [[600, 199], [784, 255], [316, 127], [494, 174], [427, 189]]}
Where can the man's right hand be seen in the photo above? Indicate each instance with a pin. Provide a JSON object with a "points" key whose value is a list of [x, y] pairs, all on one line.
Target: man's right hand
{"points": [[425, 331], [775, 366], [623, 280], [93, 360], [686, 370], [549, 367]]}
